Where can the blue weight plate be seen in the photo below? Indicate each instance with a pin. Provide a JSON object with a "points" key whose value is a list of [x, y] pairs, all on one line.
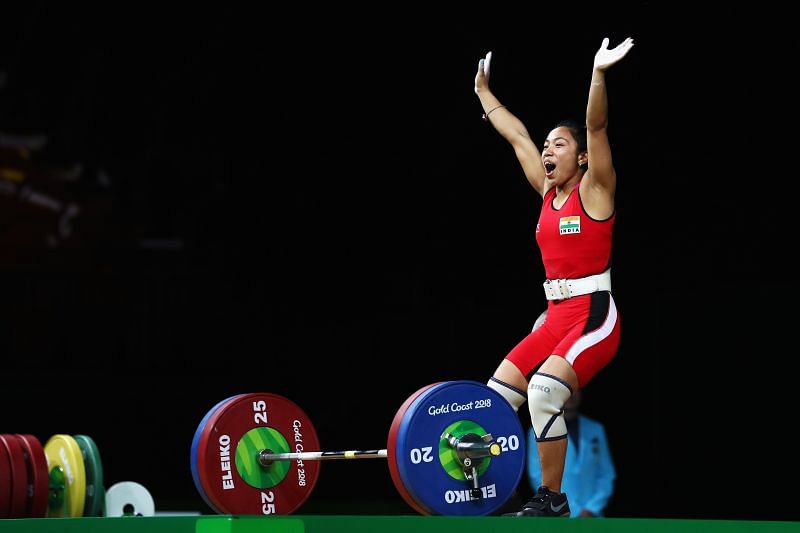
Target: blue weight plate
{"points": [[193, 458], [427, 465], [391, 449]]}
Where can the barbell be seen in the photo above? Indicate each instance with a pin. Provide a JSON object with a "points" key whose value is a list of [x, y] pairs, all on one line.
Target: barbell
{"points": [[454, 448]]}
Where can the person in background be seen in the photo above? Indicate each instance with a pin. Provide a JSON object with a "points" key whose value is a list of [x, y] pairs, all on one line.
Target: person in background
{"points": [[589, 472]]}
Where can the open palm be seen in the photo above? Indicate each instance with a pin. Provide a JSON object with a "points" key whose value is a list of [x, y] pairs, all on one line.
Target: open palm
{"points": [[604, 57]]}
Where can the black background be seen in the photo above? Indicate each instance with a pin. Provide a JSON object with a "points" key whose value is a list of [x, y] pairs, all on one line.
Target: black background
{"points": [[307, 203]]}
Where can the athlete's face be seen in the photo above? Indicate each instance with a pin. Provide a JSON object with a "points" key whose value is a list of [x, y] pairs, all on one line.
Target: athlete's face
{"points": [[560, 155]]}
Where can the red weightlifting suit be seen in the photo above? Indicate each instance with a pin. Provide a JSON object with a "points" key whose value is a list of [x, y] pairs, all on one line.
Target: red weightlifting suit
{"points": [[583, 329]]}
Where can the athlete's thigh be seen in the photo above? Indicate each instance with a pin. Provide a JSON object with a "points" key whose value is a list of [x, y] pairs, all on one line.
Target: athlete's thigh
{"points": [[532, 351]]}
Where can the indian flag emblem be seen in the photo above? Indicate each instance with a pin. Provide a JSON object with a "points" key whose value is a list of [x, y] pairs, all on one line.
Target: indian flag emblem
{"points": [[569, 225]]}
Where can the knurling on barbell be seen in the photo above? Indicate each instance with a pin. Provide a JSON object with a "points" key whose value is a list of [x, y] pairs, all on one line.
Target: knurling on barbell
{"points": [[259, 453]]}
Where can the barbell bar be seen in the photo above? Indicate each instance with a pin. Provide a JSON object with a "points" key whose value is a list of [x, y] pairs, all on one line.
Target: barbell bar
{"points": [[473, 450]]}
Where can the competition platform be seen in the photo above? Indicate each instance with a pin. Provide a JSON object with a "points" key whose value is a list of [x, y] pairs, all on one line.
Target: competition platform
{"points": [[384, 524]]}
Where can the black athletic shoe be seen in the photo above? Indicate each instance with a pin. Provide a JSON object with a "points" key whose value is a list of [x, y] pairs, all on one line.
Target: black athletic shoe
{"points": [[545, 503]]}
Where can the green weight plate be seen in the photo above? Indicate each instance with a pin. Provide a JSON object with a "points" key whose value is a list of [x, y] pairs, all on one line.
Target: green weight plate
{"points": [[255, 440], [95, 494], [448, 456]]}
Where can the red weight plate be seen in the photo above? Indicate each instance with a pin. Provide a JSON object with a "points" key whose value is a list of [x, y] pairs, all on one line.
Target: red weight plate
{"points": [[221, 469], [19, 476], [38, 476], [5, 483], [203, 428], [391, 451]]}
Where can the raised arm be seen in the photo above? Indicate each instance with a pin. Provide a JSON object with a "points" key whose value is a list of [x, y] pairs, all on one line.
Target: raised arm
{"points": [[600, 180], [510, 127]]}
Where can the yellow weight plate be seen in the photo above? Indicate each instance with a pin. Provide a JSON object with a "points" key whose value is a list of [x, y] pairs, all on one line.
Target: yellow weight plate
{"points": [[67, 477]]}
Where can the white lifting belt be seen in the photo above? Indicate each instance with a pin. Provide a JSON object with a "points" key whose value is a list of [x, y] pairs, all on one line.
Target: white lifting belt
{"points": [[561, 289]]}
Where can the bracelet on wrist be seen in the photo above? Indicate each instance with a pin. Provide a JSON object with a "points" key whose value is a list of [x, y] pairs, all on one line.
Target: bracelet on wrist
{"points": [[485, 116]]}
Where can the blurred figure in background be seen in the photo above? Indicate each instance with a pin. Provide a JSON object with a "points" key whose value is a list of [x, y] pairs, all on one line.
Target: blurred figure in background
{"points": [[589, 471]]}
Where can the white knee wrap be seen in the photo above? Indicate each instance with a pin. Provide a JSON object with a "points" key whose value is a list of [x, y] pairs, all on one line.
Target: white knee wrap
{"points": [[513, 395], [546, 398]]}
